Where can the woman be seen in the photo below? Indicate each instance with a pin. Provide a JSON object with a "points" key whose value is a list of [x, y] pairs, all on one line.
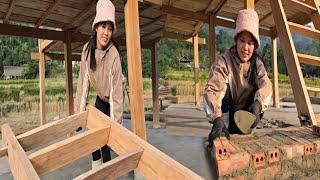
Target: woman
{"points": [[100, 65], [238, 79]]}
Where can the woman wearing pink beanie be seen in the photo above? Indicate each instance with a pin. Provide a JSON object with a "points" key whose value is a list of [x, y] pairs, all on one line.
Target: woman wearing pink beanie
{"points": [[238, 80], [101, 67]]}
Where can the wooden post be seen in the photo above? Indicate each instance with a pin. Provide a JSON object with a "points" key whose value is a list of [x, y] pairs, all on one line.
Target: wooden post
{"points": [[300, 93], [212, 39], [42, 85], [249, 4], [275, 72], [155, 92], [196, 69], [134, 68], [68, 71]]}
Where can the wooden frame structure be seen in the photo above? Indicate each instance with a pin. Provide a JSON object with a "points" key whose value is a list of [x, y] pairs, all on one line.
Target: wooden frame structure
{"points": [[134, 152]]}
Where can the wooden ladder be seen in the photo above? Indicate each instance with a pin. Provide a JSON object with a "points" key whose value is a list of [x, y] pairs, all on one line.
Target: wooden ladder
{"points": [[134, 153], [292, 58]]}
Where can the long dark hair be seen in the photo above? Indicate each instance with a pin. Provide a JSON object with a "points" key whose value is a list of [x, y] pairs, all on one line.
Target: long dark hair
{"points": [[92, 44]]}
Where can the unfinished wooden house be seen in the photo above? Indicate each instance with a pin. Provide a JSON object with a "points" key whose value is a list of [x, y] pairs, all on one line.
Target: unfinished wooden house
{"points": [[66, 25]]}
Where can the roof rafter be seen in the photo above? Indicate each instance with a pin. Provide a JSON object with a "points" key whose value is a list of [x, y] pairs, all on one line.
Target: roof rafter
{"points": [[9, 11], [152, 32], [45, 15]]}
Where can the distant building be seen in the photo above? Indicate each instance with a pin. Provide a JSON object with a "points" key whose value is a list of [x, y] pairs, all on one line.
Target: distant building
{"points": [[10, 72], [185, 62]]}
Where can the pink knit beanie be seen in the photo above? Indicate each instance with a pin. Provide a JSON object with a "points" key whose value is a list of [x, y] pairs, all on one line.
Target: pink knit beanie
{"points": [[105, 11], [247, 20]]}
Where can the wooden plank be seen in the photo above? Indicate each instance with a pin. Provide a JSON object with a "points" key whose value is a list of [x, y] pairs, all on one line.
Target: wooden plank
{"points": [[155, 91], [196, 70], [121, 140], [115, 167], [54, 56], [45, 15], [134, 68], [212, 39], [9, 11], [42, 86], [51, 131], [292, 62], [46, 44], [308, 59], [313, 89], [157, 2], [315, 16], [68, 150], [19, 163], [276, 99], [15, 30], [296, 4], [3, 151], [68, 72], [79, 17], [249, 4], [182, 37], [303, 30]]}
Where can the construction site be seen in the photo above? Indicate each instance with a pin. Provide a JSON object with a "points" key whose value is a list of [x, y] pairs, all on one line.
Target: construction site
{"points": [[173, 145]]}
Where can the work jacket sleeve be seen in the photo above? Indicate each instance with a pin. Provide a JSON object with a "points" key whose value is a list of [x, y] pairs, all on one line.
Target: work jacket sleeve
{"points": [[215, 88], [264, 92], [117, 91], [79, 90]]}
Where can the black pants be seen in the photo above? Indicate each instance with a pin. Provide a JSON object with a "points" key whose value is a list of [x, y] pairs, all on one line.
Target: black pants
{"points": [[105, 150], [227, 105]]}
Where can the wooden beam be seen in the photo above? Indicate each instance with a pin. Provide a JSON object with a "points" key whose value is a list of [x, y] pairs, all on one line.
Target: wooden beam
{"points": [[205, 18], [196, 70], [42, 85], [313, 89], [276, 99], [292, 62], [46, 44], [9, 11], [3, 151], [155, 91], [68, 150], [152, 32], [157, 2], [147, 25], [19, 163], [45, 15], [54, 56], [212, 39], [77, 19], [134, 68], [177, 36], [115, 167], [296, 4], [122, 141], [68, 72], [303, 30], [315, 17], [249, 4], [15, 30], [308, 59], [51, 131]]}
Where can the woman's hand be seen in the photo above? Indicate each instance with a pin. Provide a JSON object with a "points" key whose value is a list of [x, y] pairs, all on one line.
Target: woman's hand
{"points": [[217, 128]]}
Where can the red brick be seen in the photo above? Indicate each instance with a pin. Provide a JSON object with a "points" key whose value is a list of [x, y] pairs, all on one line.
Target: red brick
{"points": [[266, 173], [273, 155], [236, 162], [308, 149], [317, 142], [258, 159]]}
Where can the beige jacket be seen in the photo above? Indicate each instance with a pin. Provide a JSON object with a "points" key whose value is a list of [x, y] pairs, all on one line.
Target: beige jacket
{"points": [[106, 80], [242, 79]]}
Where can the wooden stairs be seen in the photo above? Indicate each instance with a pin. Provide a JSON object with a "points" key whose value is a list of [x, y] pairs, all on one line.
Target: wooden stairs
{"points": [[134, 153]]}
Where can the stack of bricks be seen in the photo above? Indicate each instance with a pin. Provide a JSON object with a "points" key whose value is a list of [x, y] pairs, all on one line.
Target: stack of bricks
{"points": [[282, 154]]}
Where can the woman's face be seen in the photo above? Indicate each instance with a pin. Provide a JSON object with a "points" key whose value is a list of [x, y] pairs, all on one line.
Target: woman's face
{"points": [[245, 46], [104, 34]]}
